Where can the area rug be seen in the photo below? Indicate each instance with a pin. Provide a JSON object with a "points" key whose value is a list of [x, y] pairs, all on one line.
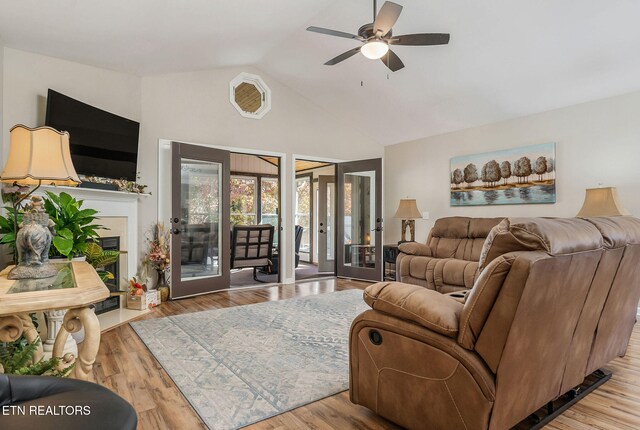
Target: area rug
{"points": [[240, 365]]}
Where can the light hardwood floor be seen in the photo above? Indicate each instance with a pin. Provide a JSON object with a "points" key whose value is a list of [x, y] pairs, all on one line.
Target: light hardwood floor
{"points": [[126, 366]]}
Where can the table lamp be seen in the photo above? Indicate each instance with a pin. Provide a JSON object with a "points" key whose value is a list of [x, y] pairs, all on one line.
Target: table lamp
{"points": [[601, 202], [408, 212], [36, 156]]}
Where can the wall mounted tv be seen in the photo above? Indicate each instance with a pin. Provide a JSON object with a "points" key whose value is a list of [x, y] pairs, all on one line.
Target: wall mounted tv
{"points": [[102, 144]]}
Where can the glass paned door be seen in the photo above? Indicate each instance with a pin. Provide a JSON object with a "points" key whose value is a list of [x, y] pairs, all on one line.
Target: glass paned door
{"points": [[200, 222], [326, 227], [270, 205], [303, 206], [359, 220]]}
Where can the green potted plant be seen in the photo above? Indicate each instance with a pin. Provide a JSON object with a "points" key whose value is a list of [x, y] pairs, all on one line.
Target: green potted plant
{"points": [[7, 230], [99, 259], [16, 358], [74, 226], [9, 223]]}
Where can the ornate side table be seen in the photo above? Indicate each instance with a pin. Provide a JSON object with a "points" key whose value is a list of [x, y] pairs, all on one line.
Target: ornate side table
{"points": [[76, 287]]}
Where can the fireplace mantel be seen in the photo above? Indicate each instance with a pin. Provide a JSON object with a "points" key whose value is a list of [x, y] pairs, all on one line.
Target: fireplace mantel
{"points": [[94, 193]]}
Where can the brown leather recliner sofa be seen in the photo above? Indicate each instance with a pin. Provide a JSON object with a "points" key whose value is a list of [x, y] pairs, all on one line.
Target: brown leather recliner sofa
{"points": [[448, 262], [555, 300]]}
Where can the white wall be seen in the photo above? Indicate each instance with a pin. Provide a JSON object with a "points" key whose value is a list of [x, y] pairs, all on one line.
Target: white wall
{"points": [[597, 142], [195, 108], [27, 77]]}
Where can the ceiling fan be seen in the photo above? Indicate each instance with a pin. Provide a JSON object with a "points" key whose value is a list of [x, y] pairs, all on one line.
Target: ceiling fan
{"points": [[377, 36]]}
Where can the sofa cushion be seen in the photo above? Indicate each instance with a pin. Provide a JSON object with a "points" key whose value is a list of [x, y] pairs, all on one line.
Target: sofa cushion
{"points": [[454, 227], [481, 227], [421, 268], [481, 299], [617, 231], [428, 308], [454, 272], [460, 237], [555, 236]]}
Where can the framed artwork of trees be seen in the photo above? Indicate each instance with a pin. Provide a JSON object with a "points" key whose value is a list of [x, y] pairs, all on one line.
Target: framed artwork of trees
{"points": [[525, 175]]}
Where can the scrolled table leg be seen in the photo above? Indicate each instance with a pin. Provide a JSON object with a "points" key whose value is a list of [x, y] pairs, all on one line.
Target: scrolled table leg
{"points": [[10, 328], [74, 320]]}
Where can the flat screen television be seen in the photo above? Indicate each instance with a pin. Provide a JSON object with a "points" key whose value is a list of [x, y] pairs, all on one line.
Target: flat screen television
{"points": [[102, 144]]}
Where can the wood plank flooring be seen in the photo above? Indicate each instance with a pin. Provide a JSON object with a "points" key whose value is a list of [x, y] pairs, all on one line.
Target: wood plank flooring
{"points": [[126, 366]]}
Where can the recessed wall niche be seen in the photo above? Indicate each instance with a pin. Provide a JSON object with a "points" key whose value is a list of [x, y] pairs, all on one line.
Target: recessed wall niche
{"points": [[250, 95]]}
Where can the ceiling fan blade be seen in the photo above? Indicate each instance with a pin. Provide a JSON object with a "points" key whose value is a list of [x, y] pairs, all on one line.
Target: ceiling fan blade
{"points": [[422, 39], [343, 56], [387, 17], [333, 32], [392, 61]]}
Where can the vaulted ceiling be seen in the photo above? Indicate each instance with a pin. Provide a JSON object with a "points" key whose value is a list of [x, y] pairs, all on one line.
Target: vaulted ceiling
{"points": [[506, 58]]}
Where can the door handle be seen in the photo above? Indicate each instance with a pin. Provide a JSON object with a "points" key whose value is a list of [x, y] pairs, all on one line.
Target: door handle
{"points": [[378, 229], [320, 231], [175, 231], [175, 220]]}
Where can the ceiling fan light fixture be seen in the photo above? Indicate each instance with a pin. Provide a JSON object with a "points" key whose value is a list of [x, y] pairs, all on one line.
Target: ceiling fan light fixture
{"points": [[375, 49]]}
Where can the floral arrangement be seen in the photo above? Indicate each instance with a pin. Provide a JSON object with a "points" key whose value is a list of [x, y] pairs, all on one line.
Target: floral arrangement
{"points": [[121, 184], [136, 288], [158, 239]]}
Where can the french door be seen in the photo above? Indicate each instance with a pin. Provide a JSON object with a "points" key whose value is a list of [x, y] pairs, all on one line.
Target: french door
{"points": [[326, 220], [200, 239], [359, 220]]}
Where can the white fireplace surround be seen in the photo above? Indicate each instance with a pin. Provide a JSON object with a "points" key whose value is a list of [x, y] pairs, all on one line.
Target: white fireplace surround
{"points": [[109, 204]]}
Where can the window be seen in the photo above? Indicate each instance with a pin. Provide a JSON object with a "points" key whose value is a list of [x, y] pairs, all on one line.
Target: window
{"points": [[243, 200], [303, 215]]}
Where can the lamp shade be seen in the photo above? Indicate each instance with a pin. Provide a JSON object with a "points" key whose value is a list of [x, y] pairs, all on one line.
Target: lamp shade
{"points": [[602, 202], [407, 209], [39, 155]]}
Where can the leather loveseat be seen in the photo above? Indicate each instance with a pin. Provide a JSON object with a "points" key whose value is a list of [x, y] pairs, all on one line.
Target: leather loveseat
{"points": [[555, 299], [448, 262]]}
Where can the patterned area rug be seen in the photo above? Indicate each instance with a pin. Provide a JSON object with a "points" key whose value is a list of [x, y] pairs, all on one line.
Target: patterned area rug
{"points": [[240, 365]]}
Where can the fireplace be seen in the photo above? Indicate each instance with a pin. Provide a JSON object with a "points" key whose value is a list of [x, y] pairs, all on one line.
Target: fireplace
{"points": [[111, 244], [118, 213]]}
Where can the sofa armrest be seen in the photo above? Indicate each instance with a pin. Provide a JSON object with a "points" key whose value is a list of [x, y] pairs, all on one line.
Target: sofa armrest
{"points": [[428, 308], [415, 248]]}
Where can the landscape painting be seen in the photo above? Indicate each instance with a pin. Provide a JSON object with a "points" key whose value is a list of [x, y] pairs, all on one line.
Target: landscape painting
{"points": [[525, 175]]}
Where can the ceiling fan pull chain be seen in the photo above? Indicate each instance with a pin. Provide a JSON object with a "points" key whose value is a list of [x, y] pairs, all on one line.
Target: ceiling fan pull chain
{"points": [[375, 9]]}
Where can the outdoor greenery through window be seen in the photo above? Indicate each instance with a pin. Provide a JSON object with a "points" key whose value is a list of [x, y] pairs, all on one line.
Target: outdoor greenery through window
{"points": [[243, 200], [269, 204], [201, 195], [303, 215]]}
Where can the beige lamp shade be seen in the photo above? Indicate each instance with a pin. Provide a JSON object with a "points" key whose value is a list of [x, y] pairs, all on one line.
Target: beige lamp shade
{"points": [[407, 209], [602, 202], [39, 155]]}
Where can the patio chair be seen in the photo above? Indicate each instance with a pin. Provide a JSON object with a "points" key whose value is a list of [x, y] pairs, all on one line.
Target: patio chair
{"points": [[275, 259], [251, 246]]}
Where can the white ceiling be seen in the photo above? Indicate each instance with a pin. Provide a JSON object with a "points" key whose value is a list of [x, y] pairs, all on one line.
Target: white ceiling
{"points": [[506, 58]]}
